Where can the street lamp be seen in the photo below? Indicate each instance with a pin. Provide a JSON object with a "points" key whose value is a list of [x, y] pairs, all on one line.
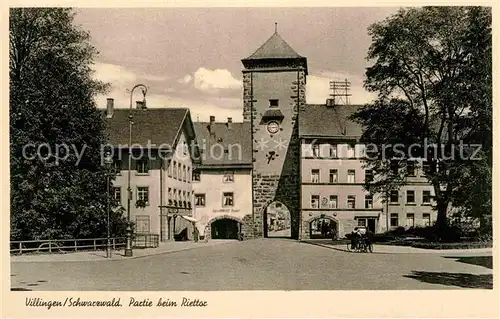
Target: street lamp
{"points": [[128, 247], [108, 160]]}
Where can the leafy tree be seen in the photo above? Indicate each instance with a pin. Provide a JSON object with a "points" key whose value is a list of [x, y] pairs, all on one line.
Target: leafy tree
{"points": [[52, 103], [432, 72]]}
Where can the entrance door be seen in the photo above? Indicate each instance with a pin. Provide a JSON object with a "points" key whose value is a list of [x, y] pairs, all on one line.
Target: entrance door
{"points": [[371, 224], [322, 228], [225, 229]]}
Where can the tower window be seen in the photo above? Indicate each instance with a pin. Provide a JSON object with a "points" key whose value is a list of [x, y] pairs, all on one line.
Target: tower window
{"points": [[274, 103]]}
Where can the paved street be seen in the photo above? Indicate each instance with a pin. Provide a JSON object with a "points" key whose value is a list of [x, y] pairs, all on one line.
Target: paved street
{"points": [[263, 264]]}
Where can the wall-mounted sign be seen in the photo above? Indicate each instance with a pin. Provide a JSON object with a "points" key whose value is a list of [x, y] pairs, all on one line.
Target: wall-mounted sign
{"points": [[226, 210], [273, 127]]}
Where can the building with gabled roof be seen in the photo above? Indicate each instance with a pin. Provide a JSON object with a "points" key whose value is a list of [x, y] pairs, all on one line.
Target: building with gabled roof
{"points": [[222, 182], [164, 152]]}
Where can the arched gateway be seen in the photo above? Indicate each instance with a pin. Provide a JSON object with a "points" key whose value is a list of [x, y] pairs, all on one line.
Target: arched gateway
{"points": [[277, 220], [323, 227], [223, 227]]}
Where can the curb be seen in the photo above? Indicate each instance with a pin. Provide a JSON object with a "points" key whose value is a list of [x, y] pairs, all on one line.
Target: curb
{"points": [[435, 252]]}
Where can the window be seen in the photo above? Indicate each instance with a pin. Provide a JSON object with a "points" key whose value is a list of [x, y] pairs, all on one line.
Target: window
{"points": [[183, 172], [117, 166], [227, 199], [362, 222], [169, 171], [394, 220], [368, 201], [410, 197], [117, 195], [350, 151], [196, 176], [315, 148], [315, 176], [143, 194], [351, 176], [174, 169], [427, 219], [174, 197], [142, 224], [426, 197], [425, 167], [368, 176], [410, 168], [394, 167], [394, 196], [170, 196], [334, 176], [142, 167], [333, 150], [351, 201], [188, 175], [274, 103], [314, 201], [410, 220], [199, 200], [429, 167], [228, 177], [179, 170], [179, 197], [332, 203]]}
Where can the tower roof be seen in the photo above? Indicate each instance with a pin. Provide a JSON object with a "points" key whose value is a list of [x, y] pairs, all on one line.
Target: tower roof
{"points": [[274, 48]]}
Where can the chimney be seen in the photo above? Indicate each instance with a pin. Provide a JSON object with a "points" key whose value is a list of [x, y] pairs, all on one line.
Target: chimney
{"points": [[211, 126], [141, 105], [109, 107], [229, 123]]}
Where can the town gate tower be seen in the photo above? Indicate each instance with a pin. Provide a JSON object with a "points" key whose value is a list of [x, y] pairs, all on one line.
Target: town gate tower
{"points": [[274, 87]]}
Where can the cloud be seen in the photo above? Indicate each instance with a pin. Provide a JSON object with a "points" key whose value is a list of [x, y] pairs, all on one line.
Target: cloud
{"points": [[318, 88], [155, 78], [210, 81], [114, 74], [186, 79], [118, 75], [200, 109], [122, 79]]}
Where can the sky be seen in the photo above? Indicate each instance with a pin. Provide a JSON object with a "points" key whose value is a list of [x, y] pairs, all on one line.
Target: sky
{"points": [[191, 57]]}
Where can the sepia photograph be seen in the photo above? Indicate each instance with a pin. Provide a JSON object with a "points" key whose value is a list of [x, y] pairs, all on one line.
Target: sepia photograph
{"points": [[250, 149]]}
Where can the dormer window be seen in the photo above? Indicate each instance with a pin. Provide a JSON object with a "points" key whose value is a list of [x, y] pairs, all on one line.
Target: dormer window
{"points": [[273, 103]]}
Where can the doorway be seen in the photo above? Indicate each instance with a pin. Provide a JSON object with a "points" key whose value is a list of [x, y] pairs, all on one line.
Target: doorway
{"points": [[322, 228], [225, 228], [370, 223]]}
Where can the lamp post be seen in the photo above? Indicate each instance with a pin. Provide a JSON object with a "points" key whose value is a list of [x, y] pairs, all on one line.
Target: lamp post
{"points": [[108, 160], [128, 247]]}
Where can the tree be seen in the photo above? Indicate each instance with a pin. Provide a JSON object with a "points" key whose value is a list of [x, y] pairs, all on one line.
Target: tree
{"points": [[64, 194], [432, 72]]}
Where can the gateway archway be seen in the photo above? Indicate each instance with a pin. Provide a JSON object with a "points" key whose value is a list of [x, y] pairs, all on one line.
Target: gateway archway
{"points": [[277, 221], [323, 227], [223, 227]]}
